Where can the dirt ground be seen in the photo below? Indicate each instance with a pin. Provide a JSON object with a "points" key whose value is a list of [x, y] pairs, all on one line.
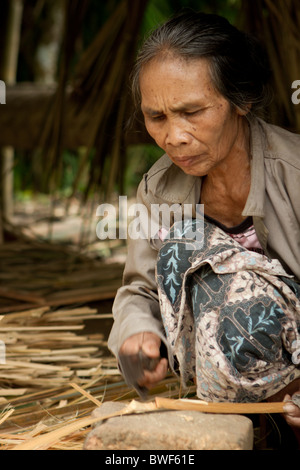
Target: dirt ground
{"points": [[67, 222]]}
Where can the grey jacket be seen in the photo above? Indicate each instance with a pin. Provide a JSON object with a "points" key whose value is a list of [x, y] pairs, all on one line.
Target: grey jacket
{"points": [[273, 202]]}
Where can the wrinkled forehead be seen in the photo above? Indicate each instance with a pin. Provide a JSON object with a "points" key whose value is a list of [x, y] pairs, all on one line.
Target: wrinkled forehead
{"points": [[176, 84], [174, 72]]}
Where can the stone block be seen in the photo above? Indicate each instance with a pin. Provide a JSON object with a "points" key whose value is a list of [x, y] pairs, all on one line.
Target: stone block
{"points": [[169, 430]]}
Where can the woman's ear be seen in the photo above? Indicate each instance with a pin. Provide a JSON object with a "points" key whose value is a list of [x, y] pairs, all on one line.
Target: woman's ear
{"points": [[243, 111]]}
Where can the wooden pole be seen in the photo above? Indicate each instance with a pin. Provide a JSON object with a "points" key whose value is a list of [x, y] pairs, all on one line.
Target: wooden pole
{"points": [[11, 52]]}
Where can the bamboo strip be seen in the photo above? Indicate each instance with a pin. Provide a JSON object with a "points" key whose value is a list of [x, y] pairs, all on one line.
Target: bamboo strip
{"points": [[12, 392], [6, 415], [45, 441], [75, 361], [71, 312], [15, 307], [32, 365], [21, 421], [86, 394], [35, 312], [84, 317], [23, 350], [222, 408], [31, 382], [40, 328], [14, 294], [13, 441]]}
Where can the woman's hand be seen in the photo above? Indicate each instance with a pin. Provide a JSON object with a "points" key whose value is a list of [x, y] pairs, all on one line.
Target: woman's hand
{"points": [[292, 416], [292, 412], [150, 345]]}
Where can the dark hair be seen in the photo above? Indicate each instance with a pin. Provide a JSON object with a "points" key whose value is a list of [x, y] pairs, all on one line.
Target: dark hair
{"points": [[238, 64]]}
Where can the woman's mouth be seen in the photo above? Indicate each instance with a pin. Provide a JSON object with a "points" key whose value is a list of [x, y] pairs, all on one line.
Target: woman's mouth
{"points": [[184, 161]]}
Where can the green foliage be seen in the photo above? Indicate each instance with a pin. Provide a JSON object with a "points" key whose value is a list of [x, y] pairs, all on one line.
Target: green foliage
{"points": [[140, 158], [159, 10]]}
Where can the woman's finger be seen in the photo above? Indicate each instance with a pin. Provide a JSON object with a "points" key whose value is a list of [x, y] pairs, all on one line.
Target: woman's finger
{"points": [[151, 378]]}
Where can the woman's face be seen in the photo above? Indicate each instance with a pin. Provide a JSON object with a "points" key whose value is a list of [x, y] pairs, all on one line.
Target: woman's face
{"points": [[196, 126]]}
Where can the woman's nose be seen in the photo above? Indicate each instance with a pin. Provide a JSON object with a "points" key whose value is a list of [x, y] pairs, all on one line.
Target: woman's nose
{"points": [[177, 135]]}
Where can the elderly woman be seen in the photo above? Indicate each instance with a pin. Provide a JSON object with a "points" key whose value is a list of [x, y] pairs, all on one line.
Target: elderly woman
{"points": [[219, 295]]}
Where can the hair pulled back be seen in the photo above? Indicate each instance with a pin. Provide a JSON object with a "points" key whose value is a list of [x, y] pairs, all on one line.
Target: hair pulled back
{"points": [[238, 64]]}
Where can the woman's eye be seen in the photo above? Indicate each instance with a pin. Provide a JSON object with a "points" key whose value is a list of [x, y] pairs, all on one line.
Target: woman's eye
{"points": [[158, 118], [192, 113]]}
